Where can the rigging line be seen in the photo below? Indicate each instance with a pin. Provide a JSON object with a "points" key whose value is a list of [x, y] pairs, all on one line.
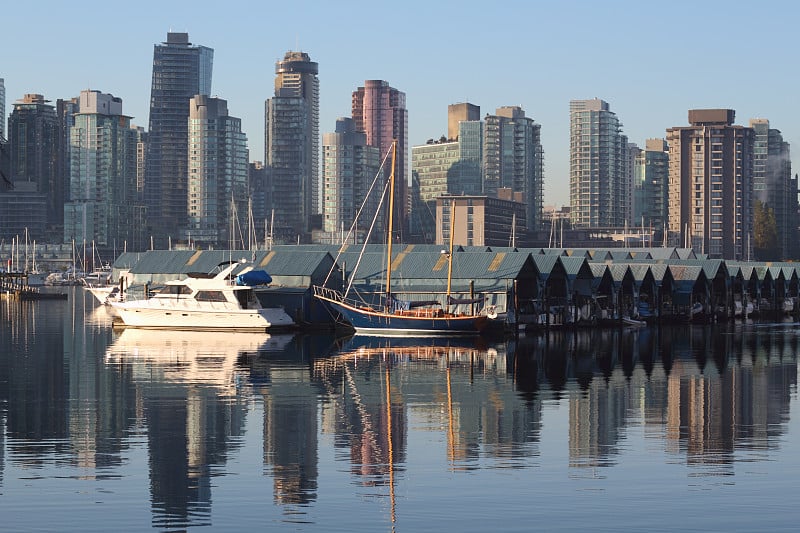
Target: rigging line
{"points": [[358, 214], [369, 427], [366, 240]]}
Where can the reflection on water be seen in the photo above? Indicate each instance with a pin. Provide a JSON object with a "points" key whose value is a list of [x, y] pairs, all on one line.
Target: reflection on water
{"points": [[190, 357], [79, 400]]}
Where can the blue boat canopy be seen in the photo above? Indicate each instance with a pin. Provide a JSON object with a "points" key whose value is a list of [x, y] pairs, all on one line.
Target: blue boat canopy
{"points": [[253, 278]]}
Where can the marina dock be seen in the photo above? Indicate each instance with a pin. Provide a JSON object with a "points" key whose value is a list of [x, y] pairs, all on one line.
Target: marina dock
{"points": [[14, 286]]}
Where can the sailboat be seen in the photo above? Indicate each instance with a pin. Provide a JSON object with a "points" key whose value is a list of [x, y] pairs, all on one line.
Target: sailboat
{"points": [[392, 317]]}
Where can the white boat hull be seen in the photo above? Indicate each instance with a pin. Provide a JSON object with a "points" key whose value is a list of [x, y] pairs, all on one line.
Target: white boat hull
{"points": [[146, 316], [101, 293]]}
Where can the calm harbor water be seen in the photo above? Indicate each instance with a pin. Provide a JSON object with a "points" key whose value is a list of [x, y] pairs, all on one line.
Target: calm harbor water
{"points": [[680, 428]]}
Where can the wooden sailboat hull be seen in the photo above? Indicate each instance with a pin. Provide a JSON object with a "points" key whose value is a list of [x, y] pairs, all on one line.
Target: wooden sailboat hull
{"points": [[367, 322]]}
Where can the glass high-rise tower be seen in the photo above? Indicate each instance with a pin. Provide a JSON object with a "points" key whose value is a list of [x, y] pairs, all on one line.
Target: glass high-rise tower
{"points": [[599, 176], [514, 159], [651, 185], [32, 137], [218, 173], [772, 182], [5, 178], [379, 110], [349, 167], [2, 109], [102, 162], [291, 146], [181, 70]]}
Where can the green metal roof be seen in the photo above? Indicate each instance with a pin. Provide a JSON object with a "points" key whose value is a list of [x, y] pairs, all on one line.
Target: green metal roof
{"points": [[579, 252], [598, 269], [620, 255], [126, 260], [545, 264], [294, 263], [618, 272], [163, 262], [685, 272], [662, 253], [639, 271], [762, 272], [574, 265]]}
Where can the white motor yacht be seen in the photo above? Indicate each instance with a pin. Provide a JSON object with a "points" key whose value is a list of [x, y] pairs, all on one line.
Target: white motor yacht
{"points": [[203, 302]]}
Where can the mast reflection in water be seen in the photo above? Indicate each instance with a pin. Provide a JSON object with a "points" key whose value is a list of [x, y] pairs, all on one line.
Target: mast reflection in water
{"points": [[171, 430]]}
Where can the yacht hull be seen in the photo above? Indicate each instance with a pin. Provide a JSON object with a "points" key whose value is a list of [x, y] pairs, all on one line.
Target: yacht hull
{"points": [[139, 316], [387, 324]]}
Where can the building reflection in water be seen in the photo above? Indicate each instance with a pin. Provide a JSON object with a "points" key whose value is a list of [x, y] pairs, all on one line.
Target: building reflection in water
{"points": [[462, 390], [282, 379], [704, 394], [60, 401], [187, 387]]}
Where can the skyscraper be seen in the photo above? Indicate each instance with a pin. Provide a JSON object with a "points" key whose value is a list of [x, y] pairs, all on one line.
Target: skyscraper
{"points": [[349, 166], [103, 150], [650, 185], [33, 145], [5, 158], [773, 184], [379, 110], [2, 108], [180, 71], [257, 185], [291, 147], [66, 110], [296, 76], [513, 158], [711, 184], [598, 167], [218, 174]]}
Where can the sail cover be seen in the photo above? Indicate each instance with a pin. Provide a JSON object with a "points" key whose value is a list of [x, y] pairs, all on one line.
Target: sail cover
{"points": [[253, 278]]}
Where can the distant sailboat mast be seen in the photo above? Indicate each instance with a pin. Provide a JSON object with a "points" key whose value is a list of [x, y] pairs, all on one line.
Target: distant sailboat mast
{"points": [[390, 230]]}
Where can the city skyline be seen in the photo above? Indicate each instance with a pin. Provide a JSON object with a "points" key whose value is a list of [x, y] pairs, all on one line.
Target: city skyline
{"points": [[554, 55]]}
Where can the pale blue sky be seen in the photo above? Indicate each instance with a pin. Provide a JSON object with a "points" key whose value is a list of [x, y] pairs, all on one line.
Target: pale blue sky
{"points": [[652, 61]]}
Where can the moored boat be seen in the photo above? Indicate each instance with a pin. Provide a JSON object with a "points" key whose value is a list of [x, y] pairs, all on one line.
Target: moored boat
{"points": [[392, 317], [203, 302]]}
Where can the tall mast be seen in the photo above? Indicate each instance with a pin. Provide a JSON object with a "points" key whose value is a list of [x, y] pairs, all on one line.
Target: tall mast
{"points": [[450, 257], [390, 228]]}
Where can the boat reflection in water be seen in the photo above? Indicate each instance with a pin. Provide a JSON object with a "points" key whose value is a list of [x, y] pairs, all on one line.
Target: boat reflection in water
{"points": [[190, 386], [240, 430], [383, 389], [189, 357]]}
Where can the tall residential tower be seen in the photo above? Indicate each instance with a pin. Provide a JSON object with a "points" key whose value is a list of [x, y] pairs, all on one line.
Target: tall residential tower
{"points": [[181, 70], [32, 138], [291, 146], [773, 184], [2, 109], [218, 175], [349, 166], [102, 206], [599, 177], [513, 159], [650, 185], [379, 110], [711, 185]]}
